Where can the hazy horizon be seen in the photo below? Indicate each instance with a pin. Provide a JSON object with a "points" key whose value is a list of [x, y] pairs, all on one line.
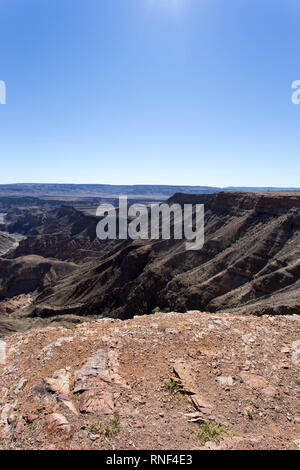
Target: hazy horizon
{"points": [[241, 187]]}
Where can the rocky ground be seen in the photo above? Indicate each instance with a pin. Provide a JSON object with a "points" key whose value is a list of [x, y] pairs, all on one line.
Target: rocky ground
{"points": [[162, 381]]}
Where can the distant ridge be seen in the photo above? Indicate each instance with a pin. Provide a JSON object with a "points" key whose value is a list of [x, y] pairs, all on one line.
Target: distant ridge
{"points": [[109, 191]]}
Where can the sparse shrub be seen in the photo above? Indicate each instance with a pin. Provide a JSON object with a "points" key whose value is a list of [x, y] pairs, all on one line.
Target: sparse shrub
{"points": [[96, 426], [210, 431], [106, 428], [250, 415], [297, 380], [172, 386], [112, 426]]}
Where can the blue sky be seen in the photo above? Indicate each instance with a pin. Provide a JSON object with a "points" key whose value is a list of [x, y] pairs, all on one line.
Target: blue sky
{"points": [[191, 92]]}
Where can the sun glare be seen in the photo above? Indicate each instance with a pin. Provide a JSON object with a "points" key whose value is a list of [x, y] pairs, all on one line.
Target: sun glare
{"points": [[172, 4]]}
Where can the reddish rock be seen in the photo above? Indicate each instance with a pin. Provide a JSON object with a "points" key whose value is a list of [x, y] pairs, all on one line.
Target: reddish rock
{"points": [[94, 380], [285, 350], [59, 385], [253, 380], [269, 392], [20, 426], [30, 418], [12, 418], [57, 423], [101, 402], [284, 365]]}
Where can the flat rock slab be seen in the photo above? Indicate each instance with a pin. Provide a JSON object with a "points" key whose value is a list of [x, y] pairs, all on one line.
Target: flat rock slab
{"points": [[57, 423], [296, 353], [97, 402], [187, 377], [184, 371], [254, 380], [2, 353], [59, 385], [97, 367], [94, 382]]}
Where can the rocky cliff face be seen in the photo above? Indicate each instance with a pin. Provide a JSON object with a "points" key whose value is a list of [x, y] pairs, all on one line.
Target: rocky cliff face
{"points": [[64, 233], [7, 243], [232, 202], [249, 262], [30, 273], [164, 381]]}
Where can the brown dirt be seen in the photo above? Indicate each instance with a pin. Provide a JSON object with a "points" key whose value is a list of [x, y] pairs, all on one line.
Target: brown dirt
{"points": [[240, 371]]}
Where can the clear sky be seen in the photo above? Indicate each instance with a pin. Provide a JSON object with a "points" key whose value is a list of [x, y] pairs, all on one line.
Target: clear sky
{"points": [[194, 92]]}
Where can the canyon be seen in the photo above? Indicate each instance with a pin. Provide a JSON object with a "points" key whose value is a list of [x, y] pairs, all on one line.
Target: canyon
{"points": [[177, 339], [249, 263]]}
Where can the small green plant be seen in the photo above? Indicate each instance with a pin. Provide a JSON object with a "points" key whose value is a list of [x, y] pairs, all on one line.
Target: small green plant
{"points": [[250, 415], [210, 431], [106, 428], [95, 426], [172, 386], [39, 411], [112, 426], [297, 380]]}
